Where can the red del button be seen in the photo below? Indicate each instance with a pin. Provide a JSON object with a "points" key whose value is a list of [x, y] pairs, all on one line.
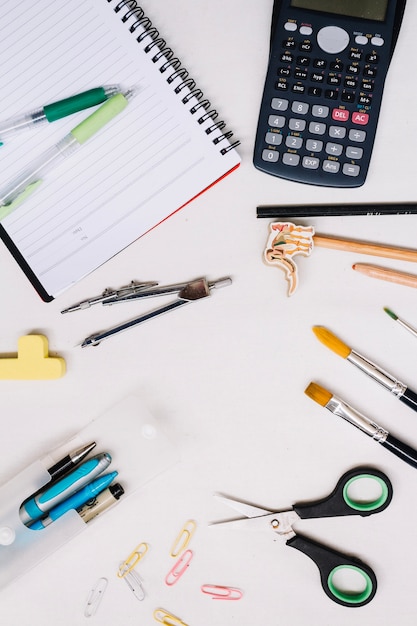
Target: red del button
{"points": [[341, 115], [360, 118]]}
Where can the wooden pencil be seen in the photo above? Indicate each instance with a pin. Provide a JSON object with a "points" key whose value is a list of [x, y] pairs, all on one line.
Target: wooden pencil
{"points": [[361, 247], [383, 273]]}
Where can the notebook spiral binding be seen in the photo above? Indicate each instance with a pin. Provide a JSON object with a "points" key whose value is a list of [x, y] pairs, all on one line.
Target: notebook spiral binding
{"points": [[138, 20]]}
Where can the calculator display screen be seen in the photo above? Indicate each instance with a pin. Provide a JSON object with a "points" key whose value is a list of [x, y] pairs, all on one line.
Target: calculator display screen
{"points": [[365, 9]]}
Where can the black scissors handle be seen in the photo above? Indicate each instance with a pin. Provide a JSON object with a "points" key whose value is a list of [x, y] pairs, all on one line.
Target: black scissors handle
{"points": [[339, 502], [330, 563]]}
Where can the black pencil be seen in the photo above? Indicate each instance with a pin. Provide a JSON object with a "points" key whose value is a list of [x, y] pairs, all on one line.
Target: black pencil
{"points": [[317, 210]]}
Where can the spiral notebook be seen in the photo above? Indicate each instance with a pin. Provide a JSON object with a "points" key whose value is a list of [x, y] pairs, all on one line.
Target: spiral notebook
{"points": [[167, 146]]}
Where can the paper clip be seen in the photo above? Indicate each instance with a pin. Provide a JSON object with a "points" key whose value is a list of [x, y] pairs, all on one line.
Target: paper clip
{"points": [[219, 592], [179, 568], [95, 596], [164, 617], [134, 582], [132, 560], [183, 538]]}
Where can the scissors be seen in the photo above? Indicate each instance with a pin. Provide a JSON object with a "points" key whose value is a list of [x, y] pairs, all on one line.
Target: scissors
{"points": [[340, 502]]}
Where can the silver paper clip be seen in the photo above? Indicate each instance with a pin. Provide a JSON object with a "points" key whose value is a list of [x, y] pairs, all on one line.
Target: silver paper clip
{"points": [[134, 582], [179, 568], [132, 288], [186, 293], [95, 596], [220, 592]]}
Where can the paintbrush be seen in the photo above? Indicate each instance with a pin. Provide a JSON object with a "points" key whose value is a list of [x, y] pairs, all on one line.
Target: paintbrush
{"points": [[338, 407], [401, 322], [388, 381]]}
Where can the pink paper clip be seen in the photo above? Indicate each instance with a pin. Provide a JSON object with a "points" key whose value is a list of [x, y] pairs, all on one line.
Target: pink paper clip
{"points": [[179, 568], [219, 592]]}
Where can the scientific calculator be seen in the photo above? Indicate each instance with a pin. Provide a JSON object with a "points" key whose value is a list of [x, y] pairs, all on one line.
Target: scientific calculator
{"points": [[323, 90]]}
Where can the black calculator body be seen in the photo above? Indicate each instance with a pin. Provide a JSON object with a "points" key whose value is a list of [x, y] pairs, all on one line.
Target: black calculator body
{"points": [[323, 90]]}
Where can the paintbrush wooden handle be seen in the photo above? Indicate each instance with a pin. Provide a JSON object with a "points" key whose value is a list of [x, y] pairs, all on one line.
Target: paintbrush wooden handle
{"points": [[361, 247]]}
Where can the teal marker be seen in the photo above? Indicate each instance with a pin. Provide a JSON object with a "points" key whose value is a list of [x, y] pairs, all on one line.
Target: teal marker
{"points": [[58, 110], [29, 180]]}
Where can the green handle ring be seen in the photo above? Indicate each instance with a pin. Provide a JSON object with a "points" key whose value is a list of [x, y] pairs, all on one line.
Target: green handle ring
{"points": [[366, 506], [347, 597]]}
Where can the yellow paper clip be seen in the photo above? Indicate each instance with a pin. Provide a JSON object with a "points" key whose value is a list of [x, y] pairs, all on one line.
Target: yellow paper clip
{"points": [[179, 568], [164, 617], [220, 592], [132, 560], [95, 596], [183, 538]]}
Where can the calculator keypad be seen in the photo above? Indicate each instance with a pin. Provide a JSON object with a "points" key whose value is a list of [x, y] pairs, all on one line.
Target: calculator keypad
{"points": [[319, 117]]}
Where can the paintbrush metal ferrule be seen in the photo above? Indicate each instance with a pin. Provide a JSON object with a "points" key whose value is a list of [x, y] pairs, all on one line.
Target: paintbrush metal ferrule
{"points": [[396, 387], [340, 408]]}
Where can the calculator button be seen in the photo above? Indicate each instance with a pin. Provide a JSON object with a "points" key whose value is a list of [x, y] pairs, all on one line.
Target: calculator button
{"points": [[299, 107], [293, 143], [320, 111], [355, 55], [360, 118], [332, 39], [305, 46], [315, 91], [377, 41], [283, 71], [290, 159], [351, 170], [270, 155], [367, 85], [336, 66], [320, 64], [369, 71], [273, 138], [354, 153], [314, 146], [340, 115], [286, 57], [290, 26], [357, 136], [281, 85], [278, 104], [372, 58], [277, 121], [298, 125], [289, 44], [353, 69], [306, 30], [365, 100], [311, 163], [316, 128], [348, 96], [335, 149], [317, 78], [337, 132], [331, 166], [298, 88], [361, 40], [304, 61], [331, 94]]}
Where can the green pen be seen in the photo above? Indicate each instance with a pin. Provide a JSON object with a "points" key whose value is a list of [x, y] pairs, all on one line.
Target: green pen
{"points": [[58, 110], [30, 179]]}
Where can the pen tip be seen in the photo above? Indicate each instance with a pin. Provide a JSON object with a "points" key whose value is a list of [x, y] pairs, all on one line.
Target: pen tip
{"points": [[390, 313]]}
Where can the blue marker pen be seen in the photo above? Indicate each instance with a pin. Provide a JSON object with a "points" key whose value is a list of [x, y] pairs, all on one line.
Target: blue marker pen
{"points": [[38, 505], [75, 501]]}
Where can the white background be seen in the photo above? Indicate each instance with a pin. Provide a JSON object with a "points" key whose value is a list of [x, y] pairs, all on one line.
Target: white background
{"points": [[225, 376]]}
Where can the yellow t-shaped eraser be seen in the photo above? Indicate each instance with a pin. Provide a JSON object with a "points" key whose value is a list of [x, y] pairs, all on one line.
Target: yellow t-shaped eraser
{"points": [[32, 361]]}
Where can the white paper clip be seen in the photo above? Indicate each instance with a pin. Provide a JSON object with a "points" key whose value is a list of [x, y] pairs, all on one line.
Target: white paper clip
{"points": [[166, 618], [134, 582], [183, 538], [95, 596], [220, 592], [179, 568], [132, 560]]}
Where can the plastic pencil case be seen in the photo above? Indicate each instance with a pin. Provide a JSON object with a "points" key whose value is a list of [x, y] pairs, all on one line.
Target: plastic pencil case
{"points": [[139, 452]]}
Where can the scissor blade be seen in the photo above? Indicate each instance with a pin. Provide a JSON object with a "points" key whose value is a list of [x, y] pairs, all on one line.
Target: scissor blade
{"points": [[248, 510]]}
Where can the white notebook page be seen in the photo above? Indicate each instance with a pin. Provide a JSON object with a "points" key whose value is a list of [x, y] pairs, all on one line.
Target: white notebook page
{"points": [[144, 165]]}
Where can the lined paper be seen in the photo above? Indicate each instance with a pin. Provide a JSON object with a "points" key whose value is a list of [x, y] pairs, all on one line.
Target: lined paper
{"points": [[145, 164]]}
